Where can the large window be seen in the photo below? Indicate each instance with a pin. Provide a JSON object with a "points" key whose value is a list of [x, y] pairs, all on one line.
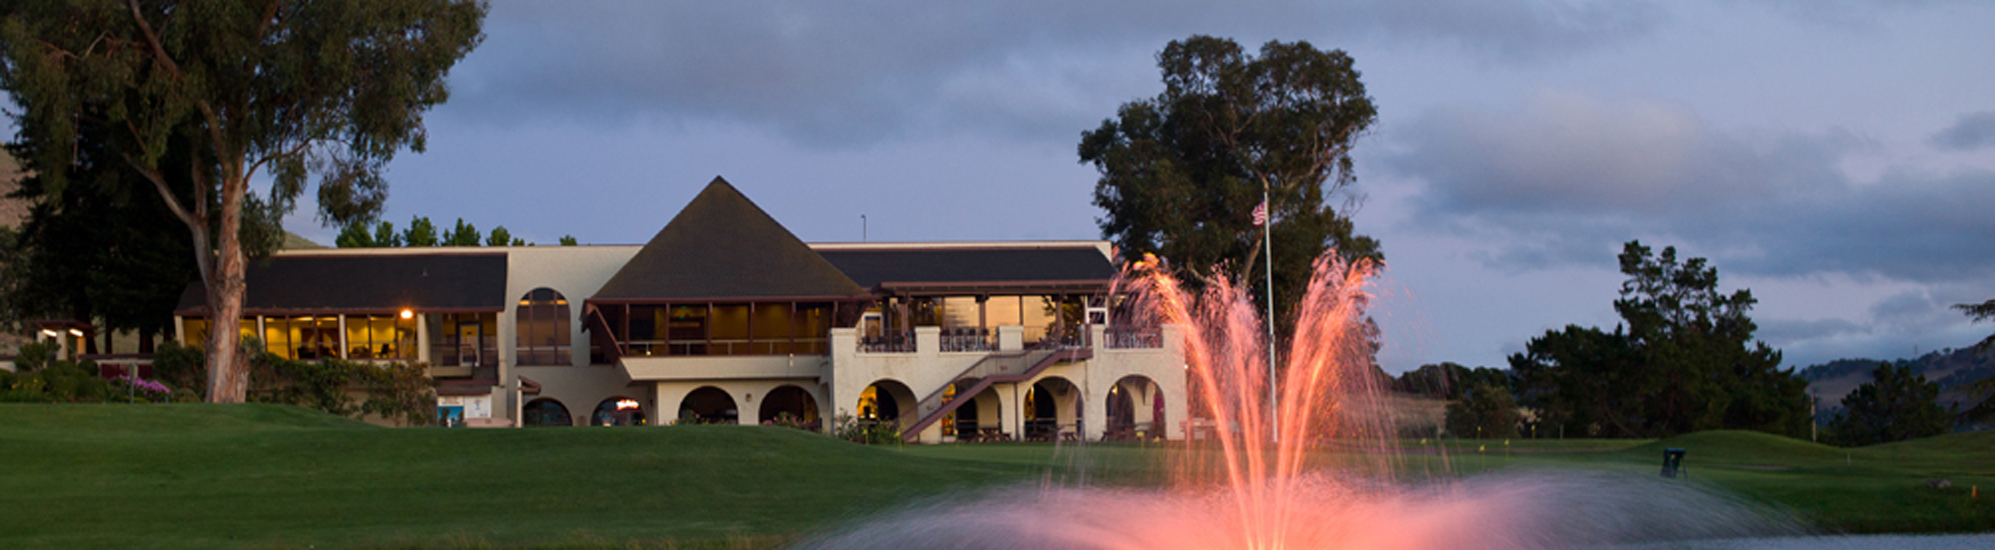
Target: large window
{"points": [[541, 323], [464, 339], [764, 328], [380, 337]]}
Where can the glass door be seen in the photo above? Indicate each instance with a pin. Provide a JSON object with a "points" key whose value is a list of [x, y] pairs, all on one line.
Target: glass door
{"points": [[468, 336]]}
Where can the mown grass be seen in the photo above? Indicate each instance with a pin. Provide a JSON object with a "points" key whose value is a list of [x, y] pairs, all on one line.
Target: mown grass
{"points": [[210, 476], [204, 476]]}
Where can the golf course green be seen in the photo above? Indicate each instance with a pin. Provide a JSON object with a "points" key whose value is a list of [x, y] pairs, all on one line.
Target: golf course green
{"points": [[208, 476]]}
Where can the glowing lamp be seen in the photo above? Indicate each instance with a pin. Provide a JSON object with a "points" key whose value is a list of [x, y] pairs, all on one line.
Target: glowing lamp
{"points": [[50, 333], [408, 314], [626, 404], [76, 332]]}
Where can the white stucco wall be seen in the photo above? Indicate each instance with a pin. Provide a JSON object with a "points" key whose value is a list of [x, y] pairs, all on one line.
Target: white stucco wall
{"points": [[576, 272]]}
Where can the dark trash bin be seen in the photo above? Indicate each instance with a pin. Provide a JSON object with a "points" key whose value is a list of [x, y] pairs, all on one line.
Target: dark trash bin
{"points": [[1673, 463]]}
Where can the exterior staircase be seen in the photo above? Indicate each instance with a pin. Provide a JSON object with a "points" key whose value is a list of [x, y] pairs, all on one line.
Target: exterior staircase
{"points": [[996, 368]]}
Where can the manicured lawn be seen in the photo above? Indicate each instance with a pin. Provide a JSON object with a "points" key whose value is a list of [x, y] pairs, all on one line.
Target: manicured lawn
{"points": [[197, 476], [204, 476]]}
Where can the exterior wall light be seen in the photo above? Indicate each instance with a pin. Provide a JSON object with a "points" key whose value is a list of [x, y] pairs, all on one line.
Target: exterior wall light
{"points": [[50, 333], [408, 314], [76, 332]]}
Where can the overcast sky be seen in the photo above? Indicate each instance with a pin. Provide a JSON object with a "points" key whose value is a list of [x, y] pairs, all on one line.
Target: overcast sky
{"points": [[1837, 157]]}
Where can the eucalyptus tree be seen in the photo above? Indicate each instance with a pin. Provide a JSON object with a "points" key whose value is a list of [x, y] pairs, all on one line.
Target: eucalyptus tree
{"points": [[288, 90], [1182, 173]]}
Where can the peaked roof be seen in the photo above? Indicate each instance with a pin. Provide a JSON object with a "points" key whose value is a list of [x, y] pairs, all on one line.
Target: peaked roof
{"points": [[1024, 265], [722, 246]]}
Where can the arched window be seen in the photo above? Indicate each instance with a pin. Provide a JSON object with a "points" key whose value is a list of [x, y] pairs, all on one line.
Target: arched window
{"points": [[541, 323], [545, 412]]}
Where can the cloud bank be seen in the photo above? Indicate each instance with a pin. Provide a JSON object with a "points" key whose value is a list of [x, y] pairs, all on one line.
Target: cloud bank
{"points": [[843, 75], [1567, 177]]}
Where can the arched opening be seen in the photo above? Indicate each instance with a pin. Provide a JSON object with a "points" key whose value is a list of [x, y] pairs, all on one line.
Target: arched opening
{"points": [[545, 412], [541, 327], [618, 411], [981, 419], [885, 400], [789, 406], [708, 405], [1050, 410], [1135, 410]]}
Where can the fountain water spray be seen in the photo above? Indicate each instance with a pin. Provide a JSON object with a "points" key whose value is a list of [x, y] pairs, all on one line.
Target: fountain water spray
{"points": [[1269, 498]]}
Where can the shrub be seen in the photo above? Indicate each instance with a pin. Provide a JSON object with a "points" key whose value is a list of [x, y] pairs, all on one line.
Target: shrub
{"points": [[33, 357], [1484, 412], [184, 367], [148, 391], [787, 420], [869, 432]]}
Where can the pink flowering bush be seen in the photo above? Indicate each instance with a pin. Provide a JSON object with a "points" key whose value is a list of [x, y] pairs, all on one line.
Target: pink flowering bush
{"points": [[149, 391]]}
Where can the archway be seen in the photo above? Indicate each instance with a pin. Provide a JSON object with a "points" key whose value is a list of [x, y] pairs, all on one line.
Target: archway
{"points": [[885, 400], [618, 411], [789, 406], [545, 412], [982, 418], [708, 405], [1135, 407], [1050, 410]]}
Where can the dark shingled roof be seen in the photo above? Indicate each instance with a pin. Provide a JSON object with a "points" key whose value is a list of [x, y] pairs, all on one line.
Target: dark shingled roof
{"points": [[722, 246], [369, 282], [1024, 265]]}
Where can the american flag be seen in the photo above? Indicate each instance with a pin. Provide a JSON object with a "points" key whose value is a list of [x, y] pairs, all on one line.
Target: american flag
{"points": [[1261, 214]]}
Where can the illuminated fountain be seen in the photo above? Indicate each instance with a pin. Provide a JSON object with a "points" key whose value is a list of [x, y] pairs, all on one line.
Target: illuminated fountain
{"points": [[1267, 496]]}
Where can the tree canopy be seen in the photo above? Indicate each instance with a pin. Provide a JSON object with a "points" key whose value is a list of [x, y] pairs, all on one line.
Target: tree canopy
{"points": [[1984, 389], [291, 90], [1684, 360], [1895, 405], [421, 232], [1181, 173]]}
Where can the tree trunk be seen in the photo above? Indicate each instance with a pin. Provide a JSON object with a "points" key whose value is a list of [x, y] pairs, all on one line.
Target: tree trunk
{"points": [[228, 368]]}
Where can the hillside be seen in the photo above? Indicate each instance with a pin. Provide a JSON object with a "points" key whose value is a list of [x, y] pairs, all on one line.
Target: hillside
{"points": [[1951, 368]]}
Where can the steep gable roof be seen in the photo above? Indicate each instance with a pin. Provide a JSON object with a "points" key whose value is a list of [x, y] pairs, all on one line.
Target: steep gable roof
{"points": [[722, 246], [1022, 265]]}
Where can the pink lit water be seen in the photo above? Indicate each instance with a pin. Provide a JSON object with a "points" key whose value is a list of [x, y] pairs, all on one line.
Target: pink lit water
{"points": [[1269, 498]]}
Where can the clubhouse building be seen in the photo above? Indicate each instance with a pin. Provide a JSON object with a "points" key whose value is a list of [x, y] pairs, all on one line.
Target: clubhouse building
{"points": [[727, 317]]}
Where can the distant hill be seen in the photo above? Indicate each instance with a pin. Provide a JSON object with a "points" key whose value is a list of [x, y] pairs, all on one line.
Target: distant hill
{"points": [[292, 241], [1949, 367]]}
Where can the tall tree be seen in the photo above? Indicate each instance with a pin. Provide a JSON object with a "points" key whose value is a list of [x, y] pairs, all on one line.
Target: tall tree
{"points": [[420, 233], [358, 235], [1181, 173], [463, 234], [1895, 405], [501, 237], [1983, 389], [1980, 312], [294, 90], [1685, 359]]}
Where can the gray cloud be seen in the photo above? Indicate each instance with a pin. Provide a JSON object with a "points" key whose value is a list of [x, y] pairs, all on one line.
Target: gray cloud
{"points": [[1971, 131], [844, 74], [1566, 178], [1845, 13]]}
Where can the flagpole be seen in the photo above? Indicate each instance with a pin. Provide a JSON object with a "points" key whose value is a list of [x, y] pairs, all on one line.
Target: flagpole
{"points": [[1267, 241]]}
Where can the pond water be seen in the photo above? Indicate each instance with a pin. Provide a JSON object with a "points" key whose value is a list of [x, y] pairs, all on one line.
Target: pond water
{"points": [[1980, 541]]}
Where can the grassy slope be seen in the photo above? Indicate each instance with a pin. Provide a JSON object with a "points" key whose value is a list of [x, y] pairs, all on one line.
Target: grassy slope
{"points": [[206, 476], [1864, 489]]}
